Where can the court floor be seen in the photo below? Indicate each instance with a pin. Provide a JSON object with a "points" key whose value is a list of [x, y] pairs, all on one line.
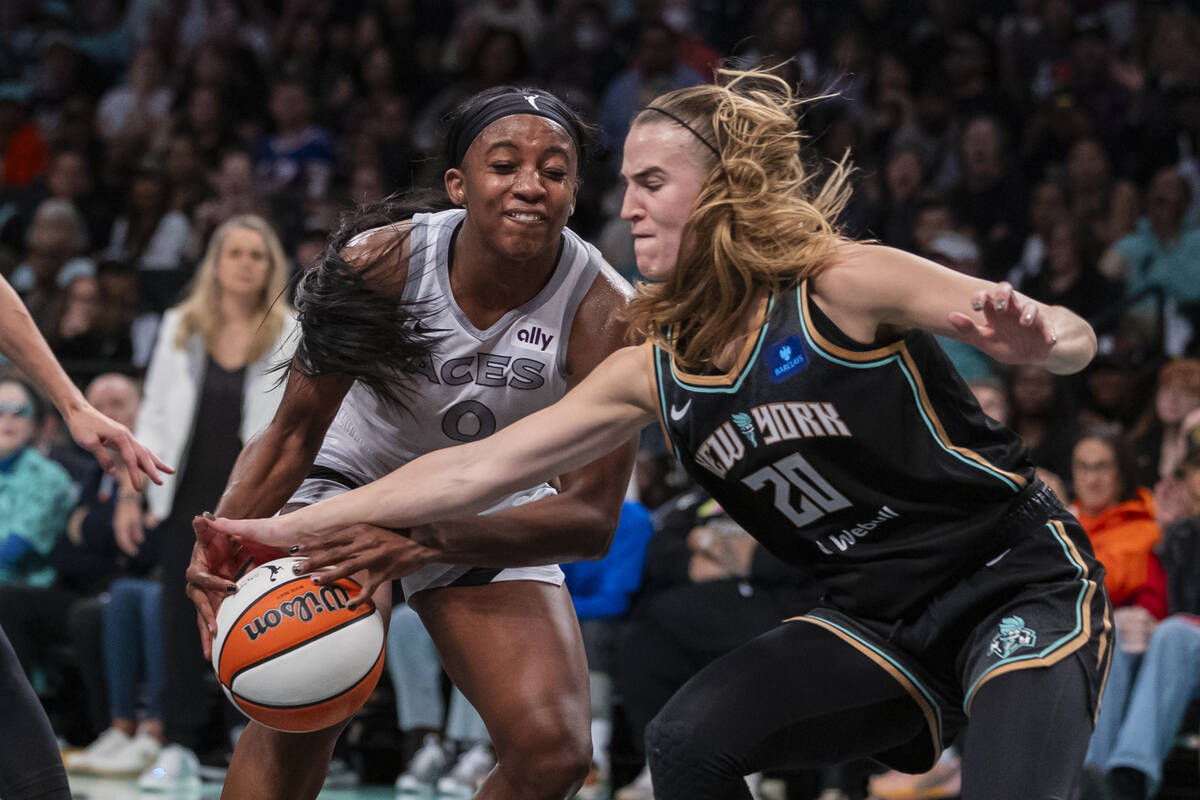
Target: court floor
{"points": [[85, 787]]}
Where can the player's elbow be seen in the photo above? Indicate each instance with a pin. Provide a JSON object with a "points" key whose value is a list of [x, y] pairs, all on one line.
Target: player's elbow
{"points": [[594, 535]]}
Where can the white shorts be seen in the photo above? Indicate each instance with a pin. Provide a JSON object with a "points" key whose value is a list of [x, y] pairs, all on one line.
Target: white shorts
{"points": [[434, 576]]}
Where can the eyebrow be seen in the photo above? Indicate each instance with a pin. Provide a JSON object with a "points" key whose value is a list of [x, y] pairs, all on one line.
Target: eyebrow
{"points": [[553, 149], [648, 172]]}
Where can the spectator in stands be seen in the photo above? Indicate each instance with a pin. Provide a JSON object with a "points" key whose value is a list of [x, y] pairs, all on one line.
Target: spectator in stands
{"points": [[78, 331], [1069, 276], [1162, 252], [140, 109], [933, 218], [990, 198], [1156, 436], [600, 591], [184, 173], [23, 152], [654, 68], [1154, 678], [236, 193], [1042, 414], [1047, 205], [35, 493], [1118, 516], [897, 212], [210, 373], [207, 121], [708, 589], [70, 178], [1108, 206], [149, 233], [55, 245], [298, 156], [37, 619]]}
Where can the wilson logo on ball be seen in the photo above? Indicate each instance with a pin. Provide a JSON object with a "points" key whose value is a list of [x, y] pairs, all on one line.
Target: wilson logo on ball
{"points": [[304, 608]]}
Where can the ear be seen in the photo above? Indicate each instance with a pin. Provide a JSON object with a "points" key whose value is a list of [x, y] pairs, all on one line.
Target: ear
{"points": [[456, 186]]}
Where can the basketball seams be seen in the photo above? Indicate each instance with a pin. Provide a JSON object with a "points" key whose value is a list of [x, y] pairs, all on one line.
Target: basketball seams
{"points": [[278, 707]]}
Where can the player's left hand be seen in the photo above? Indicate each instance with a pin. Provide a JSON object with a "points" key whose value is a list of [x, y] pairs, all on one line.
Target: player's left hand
{"points": [[1014, 328], [382, 554], [110, 441]]}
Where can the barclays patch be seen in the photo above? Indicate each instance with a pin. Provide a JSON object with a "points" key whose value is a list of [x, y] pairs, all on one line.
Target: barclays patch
{"points": [[784, 359]]}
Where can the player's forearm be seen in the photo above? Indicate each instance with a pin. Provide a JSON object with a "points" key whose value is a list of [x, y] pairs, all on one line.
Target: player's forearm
{"points": [[1075, 345], [265, 475], [23, 344], [549, 531]]}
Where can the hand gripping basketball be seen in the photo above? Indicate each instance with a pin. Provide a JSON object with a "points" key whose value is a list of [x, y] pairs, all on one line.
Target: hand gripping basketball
{"points": [[293, 655]]}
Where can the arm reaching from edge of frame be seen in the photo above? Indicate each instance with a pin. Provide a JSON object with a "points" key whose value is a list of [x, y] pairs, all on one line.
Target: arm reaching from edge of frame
{"points": [[600, 414], [111, 442]]}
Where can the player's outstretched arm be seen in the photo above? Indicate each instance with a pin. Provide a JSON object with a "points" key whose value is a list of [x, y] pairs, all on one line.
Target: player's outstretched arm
{"points": [[23, 344], [893, 288], [607, 409]]}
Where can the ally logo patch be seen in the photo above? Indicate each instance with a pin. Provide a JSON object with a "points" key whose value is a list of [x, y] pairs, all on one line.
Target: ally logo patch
{"points": [[1013, 636], [786, 358]]}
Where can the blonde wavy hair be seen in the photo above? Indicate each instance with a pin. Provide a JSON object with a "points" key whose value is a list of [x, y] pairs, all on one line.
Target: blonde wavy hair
{"points": [[758, 222], [200, 310]]}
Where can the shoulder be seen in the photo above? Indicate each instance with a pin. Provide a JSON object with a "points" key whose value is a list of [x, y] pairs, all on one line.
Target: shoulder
{"points": [[381, 255]]}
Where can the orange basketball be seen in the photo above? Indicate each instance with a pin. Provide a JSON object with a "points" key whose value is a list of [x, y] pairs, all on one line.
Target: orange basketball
{"points": [[293, 655]]}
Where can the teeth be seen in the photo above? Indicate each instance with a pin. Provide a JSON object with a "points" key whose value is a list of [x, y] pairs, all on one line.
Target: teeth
{"points": [[525, 217]]}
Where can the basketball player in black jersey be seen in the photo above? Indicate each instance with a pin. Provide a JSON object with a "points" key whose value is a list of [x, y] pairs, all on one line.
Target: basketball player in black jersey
{"points": [[30, 766], [797, 379]]}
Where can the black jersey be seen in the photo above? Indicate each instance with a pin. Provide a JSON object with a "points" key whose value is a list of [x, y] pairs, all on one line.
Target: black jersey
{"points": [[872, 466]]}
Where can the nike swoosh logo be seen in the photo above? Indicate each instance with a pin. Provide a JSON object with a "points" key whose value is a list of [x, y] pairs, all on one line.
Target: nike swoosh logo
{"points": [[996, 560], [679, 413]]}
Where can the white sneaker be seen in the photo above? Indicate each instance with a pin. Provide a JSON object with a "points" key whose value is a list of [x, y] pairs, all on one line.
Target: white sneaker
{"points": [[426, 766], [106, 744], [176, 770], [640, 789], [471, 769], [134, 758]]}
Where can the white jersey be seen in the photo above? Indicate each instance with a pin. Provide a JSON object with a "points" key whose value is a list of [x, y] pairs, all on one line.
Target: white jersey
{"points": [[476, 381]]}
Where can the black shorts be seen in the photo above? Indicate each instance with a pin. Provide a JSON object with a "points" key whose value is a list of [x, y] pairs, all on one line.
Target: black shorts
{"points": [[1037, 602]]}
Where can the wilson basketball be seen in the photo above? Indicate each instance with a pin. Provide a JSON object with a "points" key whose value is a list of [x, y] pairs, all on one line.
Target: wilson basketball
{"points": [[293, 655]]}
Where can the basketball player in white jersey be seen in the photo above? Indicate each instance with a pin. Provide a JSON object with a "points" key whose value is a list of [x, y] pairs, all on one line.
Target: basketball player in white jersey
{"points": [[422, 331]]}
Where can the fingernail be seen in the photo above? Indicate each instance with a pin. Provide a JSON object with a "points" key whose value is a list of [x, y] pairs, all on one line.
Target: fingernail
{"points": [[999, 305], [352, 606], [231, 587], [294, 548], [208, 515], [1029, 317], [316, 579], [978, 306]]}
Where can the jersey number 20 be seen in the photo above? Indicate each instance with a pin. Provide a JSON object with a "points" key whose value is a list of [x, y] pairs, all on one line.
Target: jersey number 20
{"points": [[793, 475]]}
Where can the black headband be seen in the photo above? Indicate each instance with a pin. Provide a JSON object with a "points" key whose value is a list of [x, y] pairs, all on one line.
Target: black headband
{"points": [[538, 104], [690, 129]]}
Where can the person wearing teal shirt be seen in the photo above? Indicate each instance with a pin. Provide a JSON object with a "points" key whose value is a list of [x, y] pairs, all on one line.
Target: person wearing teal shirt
{"points": [[36, 495], [1163, 251]]}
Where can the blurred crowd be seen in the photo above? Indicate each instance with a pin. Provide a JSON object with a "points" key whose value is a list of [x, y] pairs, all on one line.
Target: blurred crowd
{"points": [[1050, 143]]}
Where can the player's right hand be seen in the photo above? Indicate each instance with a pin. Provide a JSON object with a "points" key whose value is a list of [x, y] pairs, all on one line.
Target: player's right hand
{"points": [[210, 577]]}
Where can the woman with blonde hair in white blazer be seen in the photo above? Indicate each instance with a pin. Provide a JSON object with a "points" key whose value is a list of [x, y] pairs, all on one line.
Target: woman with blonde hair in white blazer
{"points": [[209, 389]]}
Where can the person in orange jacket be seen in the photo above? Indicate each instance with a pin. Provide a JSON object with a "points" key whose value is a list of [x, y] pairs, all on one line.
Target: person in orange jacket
{"points": [[1119, 518]]}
